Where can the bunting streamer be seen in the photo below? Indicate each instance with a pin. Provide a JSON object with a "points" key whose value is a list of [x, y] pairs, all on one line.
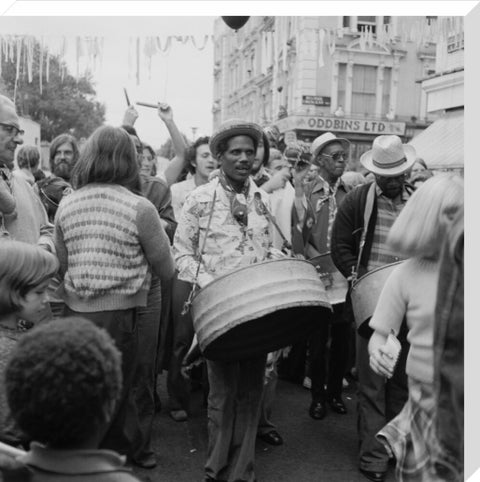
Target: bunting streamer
{"points": [[87, 52]]}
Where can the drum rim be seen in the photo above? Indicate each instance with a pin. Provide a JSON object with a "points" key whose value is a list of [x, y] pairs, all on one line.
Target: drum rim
{"points": [[389, 265], [267, 261]]}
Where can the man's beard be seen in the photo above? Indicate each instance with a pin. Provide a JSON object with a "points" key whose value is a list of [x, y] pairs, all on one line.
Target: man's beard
{"points": [[63, 170]]}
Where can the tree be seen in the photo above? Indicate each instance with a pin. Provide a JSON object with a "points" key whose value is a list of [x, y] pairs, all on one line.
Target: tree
{"points": [[65, 105], [166, 149]]}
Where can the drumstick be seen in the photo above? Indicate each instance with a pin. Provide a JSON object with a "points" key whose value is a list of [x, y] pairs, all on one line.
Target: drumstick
{"points": [[147, 104], [126, 96]]}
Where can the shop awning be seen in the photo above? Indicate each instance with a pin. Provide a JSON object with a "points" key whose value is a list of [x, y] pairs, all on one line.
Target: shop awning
{"points": [[441, 144]]}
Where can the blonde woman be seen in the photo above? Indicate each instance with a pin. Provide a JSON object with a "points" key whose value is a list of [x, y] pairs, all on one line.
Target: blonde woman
{"points": [[410, 292]]}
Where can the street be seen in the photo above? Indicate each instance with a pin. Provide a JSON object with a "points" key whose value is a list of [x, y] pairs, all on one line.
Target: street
{"points": [[323, 450]]}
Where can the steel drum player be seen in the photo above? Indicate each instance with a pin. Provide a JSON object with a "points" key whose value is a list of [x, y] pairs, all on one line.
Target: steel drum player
{"points": [[221, 229]]}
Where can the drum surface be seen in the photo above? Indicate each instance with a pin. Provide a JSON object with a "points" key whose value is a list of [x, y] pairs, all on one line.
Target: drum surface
{"points": [[366, 291], [334, 282], [259, 309]]}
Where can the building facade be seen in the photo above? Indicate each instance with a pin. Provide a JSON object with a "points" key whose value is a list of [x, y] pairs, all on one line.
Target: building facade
{"points": [[441, 145], [355, 76]]}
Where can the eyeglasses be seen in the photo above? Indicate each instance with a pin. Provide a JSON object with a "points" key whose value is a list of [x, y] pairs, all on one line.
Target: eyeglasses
{"points": [[336, 155], [9, 129]]}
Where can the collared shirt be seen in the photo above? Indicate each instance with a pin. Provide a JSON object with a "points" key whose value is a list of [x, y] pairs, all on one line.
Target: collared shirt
{"points": [[79, 465], [228, 245], [387, 212], [180, 190], [320, 207]]}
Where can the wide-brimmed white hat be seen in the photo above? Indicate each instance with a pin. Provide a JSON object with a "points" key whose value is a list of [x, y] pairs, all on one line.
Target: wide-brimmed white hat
{"points": [[388, 156], [321, 141]]}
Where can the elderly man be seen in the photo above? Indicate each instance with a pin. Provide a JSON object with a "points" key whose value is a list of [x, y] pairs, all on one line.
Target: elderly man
{"points": [[359, 233], [63, 156], [219, 231], [313, 227], [27, 221]]}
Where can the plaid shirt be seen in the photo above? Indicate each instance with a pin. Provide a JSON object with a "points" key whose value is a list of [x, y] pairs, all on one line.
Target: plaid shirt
{"points": [[387, 211]]}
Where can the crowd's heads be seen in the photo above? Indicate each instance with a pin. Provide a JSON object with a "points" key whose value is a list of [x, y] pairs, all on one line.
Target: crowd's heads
{"points": [[64, 155], [330, 153], [230, 129], [148, 164], [63, 382], [388, 157], [109, 157], [423, 223], [51, 190], [273, 135], [262, 155], [200, 158], [23, 268], [28, 157], [10, 132]]}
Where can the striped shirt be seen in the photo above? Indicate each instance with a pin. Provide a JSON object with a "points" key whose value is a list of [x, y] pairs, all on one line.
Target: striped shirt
{"points": [[387, 212]]}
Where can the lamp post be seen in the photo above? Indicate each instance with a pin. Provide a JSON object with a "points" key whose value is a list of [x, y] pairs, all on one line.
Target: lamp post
{"points": [[194, 131]]}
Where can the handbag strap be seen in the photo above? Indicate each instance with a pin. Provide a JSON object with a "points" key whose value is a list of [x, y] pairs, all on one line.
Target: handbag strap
{"points": [[366, 220]]}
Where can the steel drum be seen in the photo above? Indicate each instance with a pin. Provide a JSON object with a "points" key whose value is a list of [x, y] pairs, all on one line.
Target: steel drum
{"points": [[334, 282], [366, 292], [258, 309]]}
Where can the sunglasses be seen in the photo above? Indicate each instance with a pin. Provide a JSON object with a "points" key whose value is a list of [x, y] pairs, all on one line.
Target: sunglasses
{"points": [[9, 129], [336, 155]]}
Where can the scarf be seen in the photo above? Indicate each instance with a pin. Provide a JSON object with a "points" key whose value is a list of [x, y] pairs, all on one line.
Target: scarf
{"points": [[330, 197], [238, 209]]}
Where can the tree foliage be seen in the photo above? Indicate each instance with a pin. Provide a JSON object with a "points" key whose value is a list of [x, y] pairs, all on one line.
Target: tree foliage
{"points": [[66, 104], [166, 149]]}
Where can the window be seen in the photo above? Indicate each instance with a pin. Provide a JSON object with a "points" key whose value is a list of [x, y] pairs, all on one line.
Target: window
{"points": [[364, 22], [455, 42], [342, 80], [346, 22], [364, 88], [387, 78]]}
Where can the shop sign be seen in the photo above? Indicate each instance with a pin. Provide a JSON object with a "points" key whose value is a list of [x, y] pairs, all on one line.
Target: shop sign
{"points": [[316, 100], [335, 124]]}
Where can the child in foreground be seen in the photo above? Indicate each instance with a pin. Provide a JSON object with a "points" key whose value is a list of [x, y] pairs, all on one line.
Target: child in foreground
{"points": [[63, 382], [25, 272]]}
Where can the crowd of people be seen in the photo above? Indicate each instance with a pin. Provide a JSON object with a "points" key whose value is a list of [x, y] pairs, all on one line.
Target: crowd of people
{"points": [[100, 258]]}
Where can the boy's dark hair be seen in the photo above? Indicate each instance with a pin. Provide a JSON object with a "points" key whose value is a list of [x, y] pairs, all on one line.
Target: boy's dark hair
{"points": [[192, 152], [62, 381]]}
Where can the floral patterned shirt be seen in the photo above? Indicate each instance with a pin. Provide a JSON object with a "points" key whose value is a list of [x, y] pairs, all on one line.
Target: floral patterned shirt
{"points": [[229, 245]]}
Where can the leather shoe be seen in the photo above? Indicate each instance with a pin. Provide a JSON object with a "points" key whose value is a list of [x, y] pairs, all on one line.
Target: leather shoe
{"points": [[318, 410], [337, 405], [373, 476], [272, 437]]}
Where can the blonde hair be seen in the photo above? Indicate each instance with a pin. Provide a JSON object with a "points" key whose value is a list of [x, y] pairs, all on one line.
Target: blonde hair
{"points": [[421, 227], [23, 266]]}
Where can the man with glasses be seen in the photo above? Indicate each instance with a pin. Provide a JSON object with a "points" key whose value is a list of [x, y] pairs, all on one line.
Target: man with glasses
{"points": [[27, 221], [360, 231], [312, 232]]}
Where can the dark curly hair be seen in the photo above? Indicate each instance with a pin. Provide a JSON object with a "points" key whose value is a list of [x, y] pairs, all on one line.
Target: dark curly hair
{"points": [[63, 380], [192, 152]]}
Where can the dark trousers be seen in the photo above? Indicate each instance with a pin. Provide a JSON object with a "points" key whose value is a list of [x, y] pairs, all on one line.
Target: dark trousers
{"points": [[328, 363], [123, 435], [148, 326], [379, 400], [178, 386], [233, 412]]}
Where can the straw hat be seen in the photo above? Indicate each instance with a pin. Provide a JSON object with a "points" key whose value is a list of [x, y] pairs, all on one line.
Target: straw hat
{"points": [[389, 157], [322, 141], [233, 128]]}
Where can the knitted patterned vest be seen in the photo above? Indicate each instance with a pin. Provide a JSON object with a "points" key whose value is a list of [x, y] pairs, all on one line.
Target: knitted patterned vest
{"points": [[107, 269]]}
